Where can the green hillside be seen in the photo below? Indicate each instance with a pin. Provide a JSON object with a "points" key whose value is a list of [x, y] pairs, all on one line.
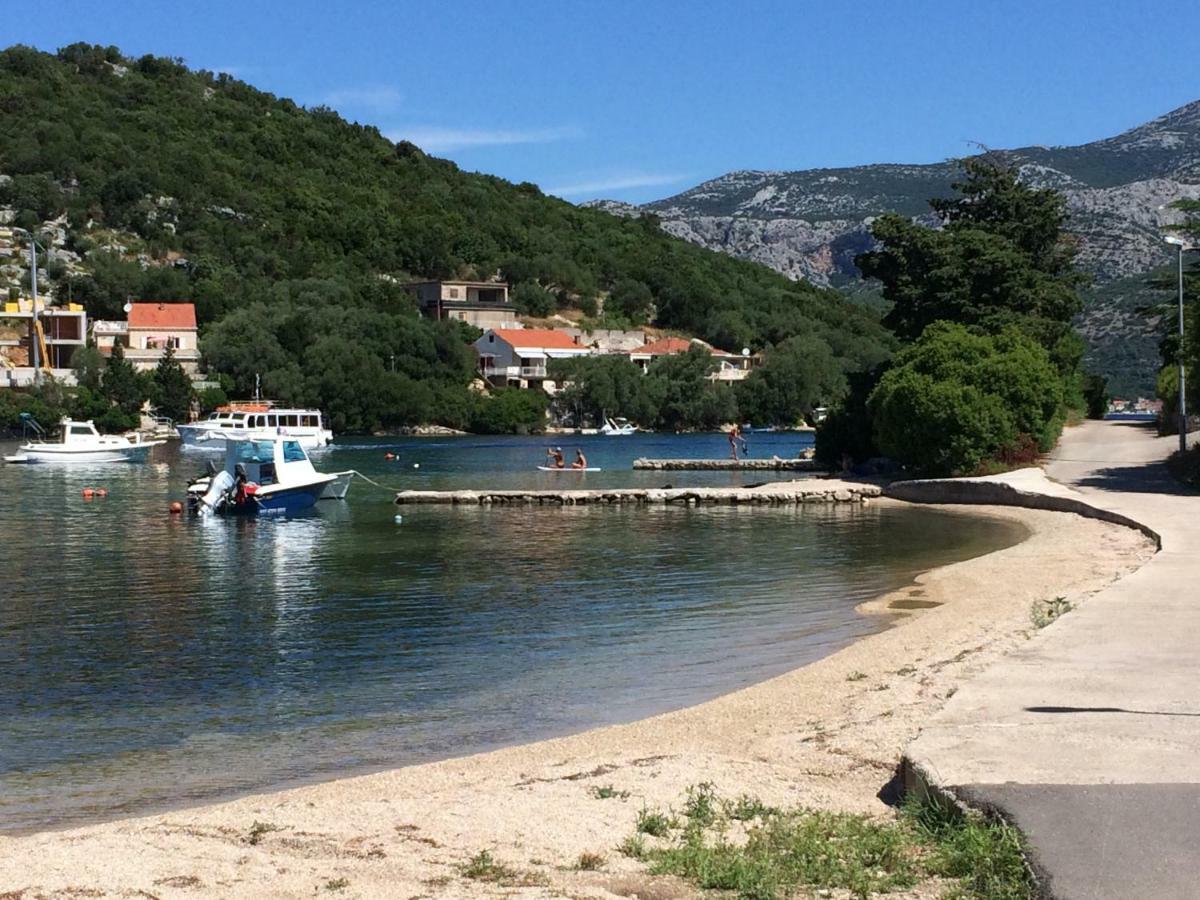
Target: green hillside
{"points": [[291, 229]]}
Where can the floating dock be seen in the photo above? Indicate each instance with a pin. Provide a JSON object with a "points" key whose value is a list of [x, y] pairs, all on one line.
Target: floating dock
{"points": [[715, 465], [777, 494]]}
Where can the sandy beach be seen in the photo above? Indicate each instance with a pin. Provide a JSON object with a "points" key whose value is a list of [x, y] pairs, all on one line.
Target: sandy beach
{"points": [[828, 735]]}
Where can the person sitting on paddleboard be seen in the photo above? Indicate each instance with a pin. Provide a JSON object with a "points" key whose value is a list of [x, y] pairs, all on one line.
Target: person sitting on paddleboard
{"points": [[556, 454], [580, 460]]}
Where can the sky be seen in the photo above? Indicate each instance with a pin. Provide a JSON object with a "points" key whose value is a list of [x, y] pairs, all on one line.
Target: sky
{"points": [[641, 100]]}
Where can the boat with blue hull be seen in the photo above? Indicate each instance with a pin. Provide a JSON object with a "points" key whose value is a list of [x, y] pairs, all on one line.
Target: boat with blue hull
{"points": [[264, 477]]}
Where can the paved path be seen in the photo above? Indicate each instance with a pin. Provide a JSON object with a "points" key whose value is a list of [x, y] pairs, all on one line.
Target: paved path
{"points": [[1089, 736]]}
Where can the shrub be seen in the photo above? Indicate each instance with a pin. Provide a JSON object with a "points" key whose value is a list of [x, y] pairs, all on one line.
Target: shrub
{"points": [[955, 399]]}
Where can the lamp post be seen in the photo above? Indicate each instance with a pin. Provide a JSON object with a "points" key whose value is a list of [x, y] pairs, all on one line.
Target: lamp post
{"points": [[1181, 245]]}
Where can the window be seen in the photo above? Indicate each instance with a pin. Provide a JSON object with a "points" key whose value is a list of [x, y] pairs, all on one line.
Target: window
{"points": [[290, 421], [453, 292], [309, 421], [292, 451], [80, 429]]}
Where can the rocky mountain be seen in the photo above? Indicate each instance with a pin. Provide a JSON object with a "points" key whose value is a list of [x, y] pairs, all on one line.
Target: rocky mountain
{"points": [[809, 225]]}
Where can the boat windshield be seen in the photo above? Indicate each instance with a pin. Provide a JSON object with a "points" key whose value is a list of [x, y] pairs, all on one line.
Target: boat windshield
{"points": [[255, 452], [293, 452]]}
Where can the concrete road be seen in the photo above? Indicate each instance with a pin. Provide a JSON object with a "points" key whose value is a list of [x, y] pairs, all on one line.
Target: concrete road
{"points": [[1089, 736]]}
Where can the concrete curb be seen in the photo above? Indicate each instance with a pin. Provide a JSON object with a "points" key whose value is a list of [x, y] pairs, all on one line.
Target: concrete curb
{"points": [[979, 492]]}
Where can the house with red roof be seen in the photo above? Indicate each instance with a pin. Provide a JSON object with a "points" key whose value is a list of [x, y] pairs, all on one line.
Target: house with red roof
{"points": [[147, 333], [517, 357], [730, 366]]}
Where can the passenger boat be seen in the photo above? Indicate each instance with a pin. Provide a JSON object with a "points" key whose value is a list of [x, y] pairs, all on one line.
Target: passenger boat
{"points": [[80, 442], [262, 420], [263, 477], [617, 427]]}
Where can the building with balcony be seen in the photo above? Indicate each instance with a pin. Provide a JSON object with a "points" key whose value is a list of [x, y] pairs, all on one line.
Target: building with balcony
{"points": [[150, 329], [484, 304], [517, 357], [58, 332]]}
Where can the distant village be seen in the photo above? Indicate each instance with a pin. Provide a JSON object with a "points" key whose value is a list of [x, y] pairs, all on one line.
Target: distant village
{"points": [[509, 353]]}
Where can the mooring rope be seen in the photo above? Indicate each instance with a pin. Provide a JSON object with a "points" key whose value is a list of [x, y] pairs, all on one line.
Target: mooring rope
{"points": [[376, 483]]}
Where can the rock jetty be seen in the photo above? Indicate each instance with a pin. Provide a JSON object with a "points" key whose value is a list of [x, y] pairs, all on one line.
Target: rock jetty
{"points": [[781, 494], [712, 465]]}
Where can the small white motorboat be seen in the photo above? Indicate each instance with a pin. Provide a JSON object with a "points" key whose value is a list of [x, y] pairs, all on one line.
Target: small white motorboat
{"points": [[618, 427], [264, 477], [82, 443]]}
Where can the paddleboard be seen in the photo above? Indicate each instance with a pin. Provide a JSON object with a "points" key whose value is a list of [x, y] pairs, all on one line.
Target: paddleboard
{"points": [[567, 469]]}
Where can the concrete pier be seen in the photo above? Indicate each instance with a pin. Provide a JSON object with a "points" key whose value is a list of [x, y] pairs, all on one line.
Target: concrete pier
{"points": [[712, 465], [777, 494]]}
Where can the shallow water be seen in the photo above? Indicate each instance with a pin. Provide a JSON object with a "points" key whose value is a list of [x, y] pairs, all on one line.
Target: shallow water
{"points": [[149, 659]]}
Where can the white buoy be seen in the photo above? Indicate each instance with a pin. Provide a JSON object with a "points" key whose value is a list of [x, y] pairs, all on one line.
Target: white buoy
{"points": [[398, 519], [416, 465]]}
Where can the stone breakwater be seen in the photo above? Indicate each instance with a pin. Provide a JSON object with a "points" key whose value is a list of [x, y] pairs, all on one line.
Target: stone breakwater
{"points": [[791, 493], [712, 465]]}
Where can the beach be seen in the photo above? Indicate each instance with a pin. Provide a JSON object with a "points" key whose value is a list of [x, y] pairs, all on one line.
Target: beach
{"points": [[828, 735]]}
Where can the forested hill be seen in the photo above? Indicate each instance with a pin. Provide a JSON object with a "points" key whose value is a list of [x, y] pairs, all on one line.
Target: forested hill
{"points": [[179, 184]]}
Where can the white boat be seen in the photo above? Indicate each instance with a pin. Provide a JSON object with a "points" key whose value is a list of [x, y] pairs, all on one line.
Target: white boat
{"points": [[617, 427], [82, 443], [263, 477], [262, 421]]}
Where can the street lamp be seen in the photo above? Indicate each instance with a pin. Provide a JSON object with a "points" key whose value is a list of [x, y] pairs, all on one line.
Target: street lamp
{"points": [[33, 245], [1181, 245]]}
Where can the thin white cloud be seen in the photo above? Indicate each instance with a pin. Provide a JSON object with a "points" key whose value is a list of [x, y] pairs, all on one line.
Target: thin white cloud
{"points": [[620, 182], [377, 97], [436, 139]]}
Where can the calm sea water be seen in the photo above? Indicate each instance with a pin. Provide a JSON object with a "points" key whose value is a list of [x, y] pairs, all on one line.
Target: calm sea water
{"points": [[149, 659]]}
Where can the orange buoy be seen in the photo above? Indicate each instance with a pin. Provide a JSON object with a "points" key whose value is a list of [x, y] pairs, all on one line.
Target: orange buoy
{"points": [[87, 493], [176, 507], [389, 456]]}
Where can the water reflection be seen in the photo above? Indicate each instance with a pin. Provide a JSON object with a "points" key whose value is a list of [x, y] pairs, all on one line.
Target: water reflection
{"points": [[147, 658]]}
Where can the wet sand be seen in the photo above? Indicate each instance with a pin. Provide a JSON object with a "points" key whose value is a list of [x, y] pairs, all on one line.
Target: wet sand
{"points": [[827, 735]]}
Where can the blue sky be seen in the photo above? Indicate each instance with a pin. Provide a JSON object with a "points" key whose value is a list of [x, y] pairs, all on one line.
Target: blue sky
{"points": [[640, 100]]}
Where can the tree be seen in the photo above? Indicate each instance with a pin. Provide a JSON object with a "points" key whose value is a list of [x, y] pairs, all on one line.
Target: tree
{"points": [[680, 389], [1001, 261], [533, 300], [798, 375], [599, 386], [956, 399], [88, 364], [173, 388], [630, 299], [121, 386]]}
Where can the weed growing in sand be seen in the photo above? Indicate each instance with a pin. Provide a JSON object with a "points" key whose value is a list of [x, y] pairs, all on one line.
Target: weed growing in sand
{"points": [[701, 804], [856, 676], [633, 846], [785, 851], [589, 862], [484, 867], [1043, 612], [258, 829], [337, 884], [745, 808], [607, 792], [654, 823]]}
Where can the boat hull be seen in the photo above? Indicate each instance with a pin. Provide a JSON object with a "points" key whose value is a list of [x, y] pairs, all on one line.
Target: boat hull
{"points": [[135, 453], [288, 500]]}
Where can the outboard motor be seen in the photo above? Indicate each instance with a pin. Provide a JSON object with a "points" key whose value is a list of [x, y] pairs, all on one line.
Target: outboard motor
{"points": [[217, 493]]}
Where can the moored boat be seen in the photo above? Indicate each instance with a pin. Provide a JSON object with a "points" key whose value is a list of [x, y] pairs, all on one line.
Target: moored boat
{"points": [[264, 477], [80, 442], [617, 427], [262, 420]]}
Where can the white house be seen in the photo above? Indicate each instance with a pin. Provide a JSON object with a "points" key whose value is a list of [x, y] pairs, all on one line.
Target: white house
{"points": [[518, 356], [150, 330]]}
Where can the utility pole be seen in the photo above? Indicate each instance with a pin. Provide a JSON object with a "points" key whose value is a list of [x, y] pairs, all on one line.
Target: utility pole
{"points": [[1181, 245]]}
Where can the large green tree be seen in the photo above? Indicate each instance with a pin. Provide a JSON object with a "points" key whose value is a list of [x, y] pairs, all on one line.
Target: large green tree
{"points": [[172, 388]]}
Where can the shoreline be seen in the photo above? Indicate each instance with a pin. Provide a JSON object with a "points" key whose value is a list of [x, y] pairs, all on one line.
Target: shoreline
{"points": [[827, 734]]}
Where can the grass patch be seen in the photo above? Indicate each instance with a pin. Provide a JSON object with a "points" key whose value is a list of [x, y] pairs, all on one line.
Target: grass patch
{"points": [[337, 884], [1043, 612], [633, 846], [608, 792], [484, 867], [654, 822], [785, 852], [701, 805], [589, 862], [856, 676]]}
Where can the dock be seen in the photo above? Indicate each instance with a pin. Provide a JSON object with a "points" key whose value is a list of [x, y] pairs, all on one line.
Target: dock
{"points": [[789, 493], [733, 465]]}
